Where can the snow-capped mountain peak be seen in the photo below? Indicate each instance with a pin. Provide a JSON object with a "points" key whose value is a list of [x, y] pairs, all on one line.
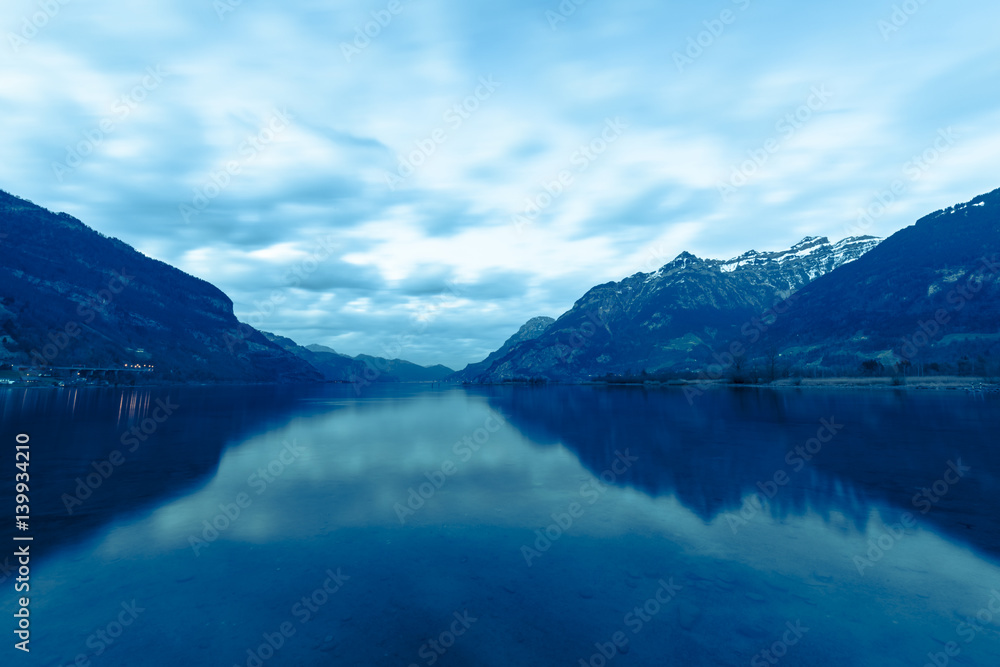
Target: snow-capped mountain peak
{"points": [[815, 254]]}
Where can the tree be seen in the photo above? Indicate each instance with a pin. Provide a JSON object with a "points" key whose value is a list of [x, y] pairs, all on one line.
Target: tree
{"points": [[870, 366], [738, 376], [771, 359]]}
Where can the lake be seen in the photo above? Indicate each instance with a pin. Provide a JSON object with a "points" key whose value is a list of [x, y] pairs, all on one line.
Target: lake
{"points": [[562, 525]]}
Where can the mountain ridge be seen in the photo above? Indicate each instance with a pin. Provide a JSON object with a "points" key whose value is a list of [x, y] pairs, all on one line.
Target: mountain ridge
{"points": [[928, 294], [530, 330], [362, 368], [669, 318], [927, 299], [70, 295]]}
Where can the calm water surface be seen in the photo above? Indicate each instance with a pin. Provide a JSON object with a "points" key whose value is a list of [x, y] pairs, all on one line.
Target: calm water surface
{"points": [[419, 525]]}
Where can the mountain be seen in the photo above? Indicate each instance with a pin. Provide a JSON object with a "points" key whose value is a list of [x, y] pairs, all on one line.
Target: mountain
{"points": [[72, 296], [323, 348], [673, 318], [393, 369], [929, 294], [531, 330], [337, 367], [406, 371], [332, 366]]}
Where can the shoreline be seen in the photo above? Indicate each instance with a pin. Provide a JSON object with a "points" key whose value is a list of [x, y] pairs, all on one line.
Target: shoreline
{"points": [[947, 383], [941, 383], [934, 383]]}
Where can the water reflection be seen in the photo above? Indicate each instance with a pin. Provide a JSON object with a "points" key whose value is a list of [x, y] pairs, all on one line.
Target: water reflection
{"points": [[101, 453], [715, 452], [324, 474]]}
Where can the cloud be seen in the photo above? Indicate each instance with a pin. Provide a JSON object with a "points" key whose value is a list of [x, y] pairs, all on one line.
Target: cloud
{"points": [[413, 92]]}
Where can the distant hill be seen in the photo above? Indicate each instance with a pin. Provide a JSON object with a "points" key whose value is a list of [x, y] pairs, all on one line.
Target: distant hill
{"points": [[332, 366], [337, 367], [406, 371], [70, 295]]}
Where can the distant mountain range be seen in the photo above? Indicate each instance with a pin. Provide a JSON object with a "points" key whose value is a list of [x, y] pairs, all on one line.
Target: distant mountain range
{"points": [[925, 299], [670, 319], [71, 297], [336, 367]]}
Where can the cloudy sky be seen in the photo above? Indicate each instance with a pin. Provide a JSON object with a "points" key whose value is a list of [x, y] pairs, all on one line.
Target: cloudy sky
{"points": [[432, 174]]}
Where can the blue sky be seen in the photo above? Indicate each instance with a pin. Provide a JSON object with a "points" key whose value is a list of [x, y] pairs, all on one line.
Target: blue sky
{"points": [[430, 185]]}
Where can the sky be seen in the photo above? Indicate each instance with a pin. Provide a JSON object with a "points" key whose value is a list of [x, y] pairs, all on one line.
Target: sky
{"points": [[418, 179]]}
